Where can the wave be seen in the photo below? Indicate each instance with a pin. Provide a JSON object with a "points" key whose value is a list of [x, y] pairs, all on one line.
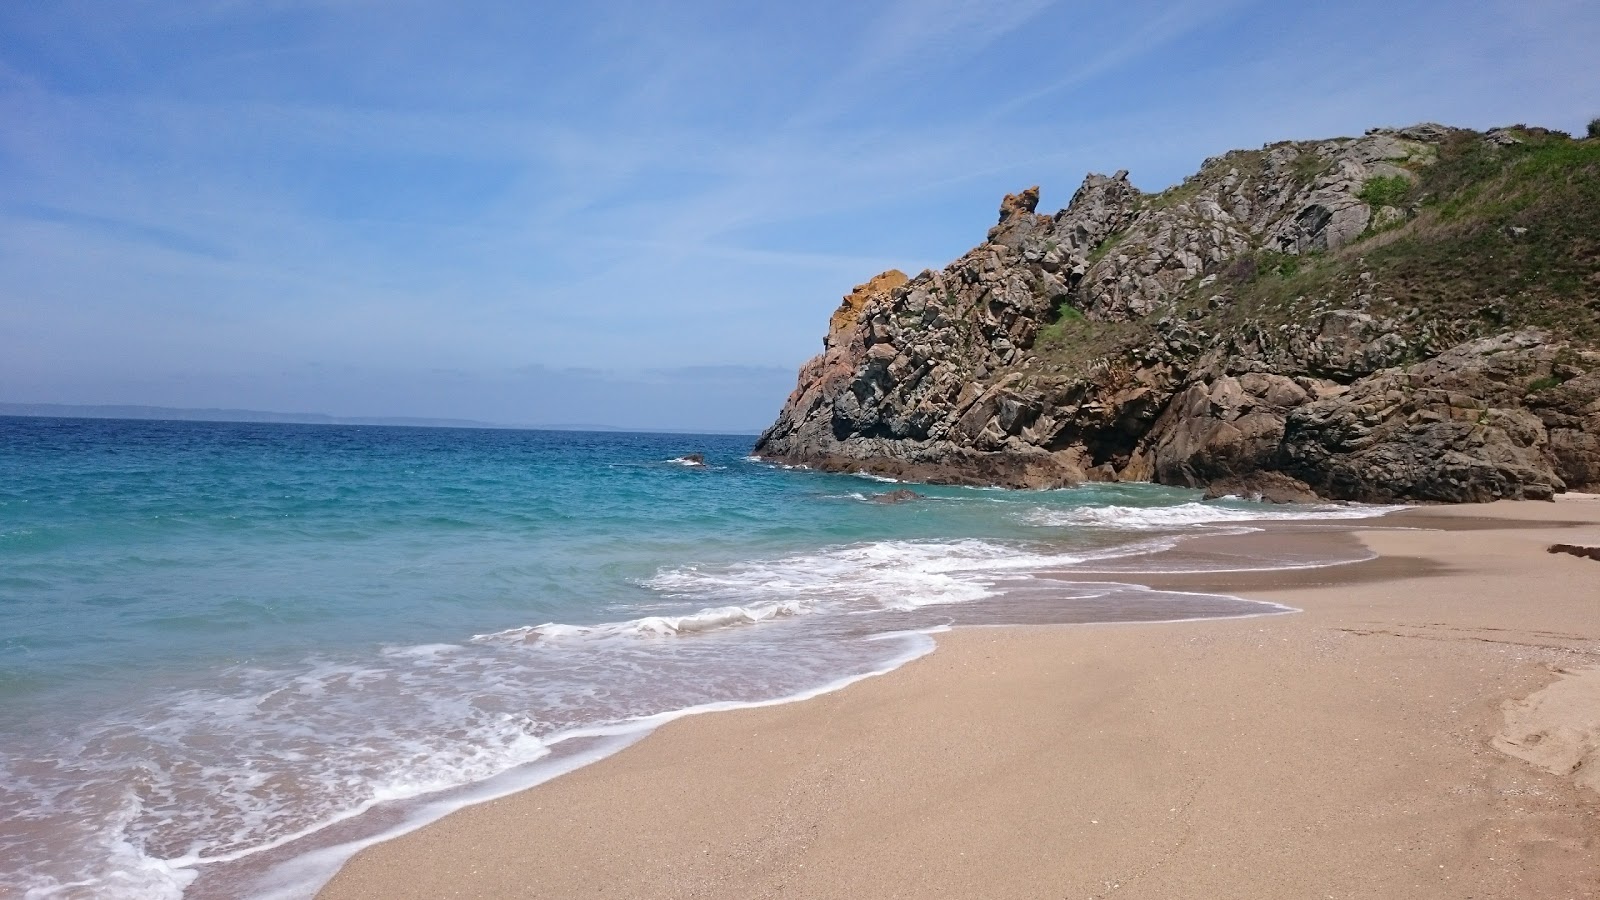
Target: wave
{"points": [[306, 875], [265, 756], [257, 757], [876, 575], [438, 769], [868, 577], [859, 577], [653, 626], [770, 464], [1143, 518]]}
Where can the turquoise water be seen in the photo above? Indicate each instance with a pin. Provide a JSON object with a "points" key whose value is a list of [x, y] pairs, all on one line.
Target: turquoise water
{"points": [[217, 638]]}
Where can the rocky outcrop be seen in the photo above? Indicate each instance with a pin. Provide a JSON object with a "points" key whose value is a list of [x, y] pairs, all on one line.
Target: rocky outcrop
{"points": [[877, 287], [1126, 338], [1464, 426]]}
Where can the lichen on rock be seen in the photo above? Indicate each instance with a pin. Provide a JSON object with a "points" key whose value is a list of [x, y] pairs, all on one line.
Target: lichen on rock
{"points": [[850, 307]]}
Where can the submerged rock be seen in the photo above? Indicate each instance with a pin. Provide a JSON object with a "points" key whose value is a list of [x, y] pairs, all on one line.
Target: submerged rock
{"points": [[900, 495], [1265, 487]]}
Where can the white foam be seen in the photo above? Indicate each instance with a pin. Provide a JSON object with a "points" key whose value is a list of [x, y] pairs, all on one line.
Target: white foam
{"points": [[120, 870], [876, 575], [305, 875], [1141, 518], [264, 758], [423, 651], [654, 626], [771, 464], [866, 577]]}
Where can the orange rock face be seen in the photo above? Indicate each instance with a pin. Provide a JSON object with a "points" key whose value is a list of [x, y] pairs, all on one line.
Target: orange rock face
{"points": [[1020, 203], [850, 307]]}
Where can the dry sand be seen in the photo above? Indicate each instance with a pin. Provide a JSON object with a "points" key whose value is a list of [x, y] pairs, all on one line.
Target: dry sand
{"points": [[1352, 750]]}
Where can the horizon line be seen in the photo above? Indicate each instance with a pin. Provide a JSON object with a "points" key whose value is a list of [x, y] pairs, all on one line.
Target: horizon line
{"points": [[147, 413]]}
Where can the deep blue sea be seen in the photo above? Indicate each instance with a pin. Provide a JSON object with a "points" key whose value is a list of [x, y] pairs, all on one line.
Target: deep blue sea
{"points": [[231, 653]]}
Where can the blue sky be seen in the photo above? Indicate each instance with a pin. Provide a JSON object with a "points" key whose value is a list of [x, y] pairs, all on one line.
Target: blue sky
{"points": [[637, 214]]}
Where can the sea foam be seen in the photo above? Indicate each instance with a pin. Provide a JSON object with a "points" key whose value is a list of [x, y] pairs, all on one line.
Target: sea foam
{"points": [[1142, 518], [249, 648]]}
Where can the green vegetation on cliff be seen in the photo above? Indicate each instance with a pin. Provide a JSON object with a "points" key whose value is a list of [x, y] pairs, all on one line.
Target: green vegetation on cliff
{"points": [[1499, 236], [1409, 314], [1486, 235]]}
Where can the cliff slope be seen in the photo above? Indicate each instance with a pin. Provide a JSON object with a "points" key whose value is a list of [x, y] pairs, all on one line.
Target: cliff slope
{"points": [[1412, 314]]}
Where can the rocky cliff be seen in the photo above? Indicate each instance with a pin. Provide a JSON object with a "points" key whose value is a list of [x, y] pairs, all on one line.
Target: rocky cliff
{"points": [[1408, 315]]}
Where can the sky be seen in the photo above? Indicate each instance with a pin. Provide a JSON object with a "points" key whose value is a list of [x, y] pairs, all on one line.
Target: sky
{"points": [[631, 214]]}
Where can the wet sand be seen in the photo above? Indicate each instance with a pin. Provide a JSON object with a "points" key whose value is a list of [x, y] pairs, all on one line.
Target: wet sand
{"points": [[1360, 748]]}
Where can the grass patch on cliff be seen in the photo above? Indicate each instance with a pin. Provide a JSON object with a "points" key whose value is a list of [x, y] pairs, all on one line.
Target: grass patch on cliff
{"points": [[1273, 288], [1068, 319], [1308, 167], [1248, 163], [1104, 248], [1385, 190], [1499, 234], [1506, 236], [1189, 189], [1514, 230], [1074, 343]]}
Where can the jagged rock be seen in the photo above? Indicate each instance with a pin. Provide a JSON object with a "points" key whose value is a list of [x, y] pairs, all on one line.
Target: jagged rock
{"points": [[850, 307], [1023, 202], [1451, 429], [1017, 218], [938, 377], [1223, 429]]}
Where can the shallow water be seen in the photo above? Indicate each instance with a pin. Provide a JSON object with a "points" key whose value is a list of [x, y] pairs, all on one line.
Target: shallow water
{"points": [[218, 639]]}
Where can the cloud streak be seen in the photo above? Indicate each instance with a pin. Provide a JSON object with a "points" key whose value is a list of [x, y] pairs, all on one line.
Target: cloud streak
{"points": [[216, 193]]}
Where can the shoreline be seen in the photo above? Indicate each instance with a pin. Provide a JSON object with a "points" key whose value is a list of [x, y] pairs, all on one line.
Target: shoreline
{"points": [[736, 804]]}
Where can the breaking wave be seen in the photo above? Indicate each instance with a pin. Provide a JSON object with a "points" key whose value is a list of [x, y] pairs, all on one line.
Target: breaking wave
{"points": [[1145, 518]]}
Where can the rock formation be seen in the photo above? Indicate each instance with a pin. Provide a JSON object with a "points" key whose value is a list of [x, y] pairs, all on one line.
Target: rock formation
{"points": [[1351, 318]]}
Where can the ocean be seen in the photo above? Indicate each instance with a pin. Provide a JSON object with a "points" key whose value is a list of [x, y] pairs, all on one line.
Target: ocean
{"points": [[231, 654]]}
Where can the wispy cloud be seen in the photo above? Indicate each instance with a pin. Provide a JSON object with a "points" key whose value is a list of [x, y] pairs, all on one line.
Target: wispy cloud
{"points": [[234, 190], [924, 34], [1144, 37]]}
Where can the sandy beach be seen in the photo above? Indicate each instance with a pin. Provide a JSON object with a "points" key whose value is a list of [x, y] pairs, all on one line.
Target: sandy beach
{"points": [[1360, 748]]}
